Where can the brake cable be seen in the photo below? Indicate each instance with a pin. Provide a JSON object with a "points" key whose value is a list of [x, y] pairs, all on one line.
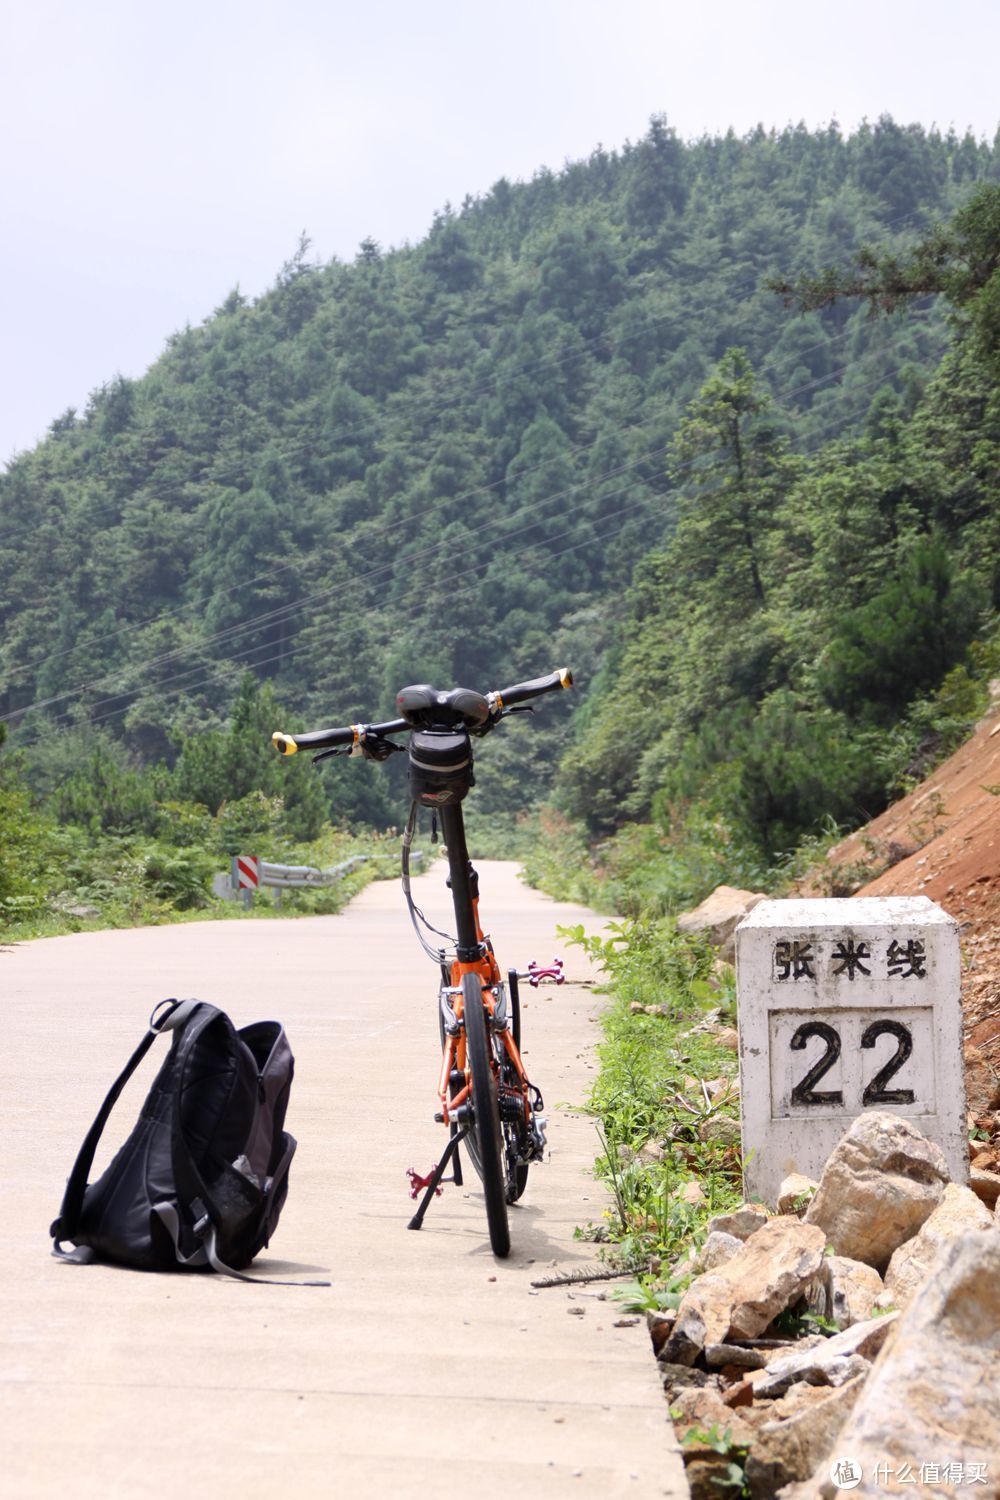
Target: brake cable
{"points": [[416, 915], [372, 746]]}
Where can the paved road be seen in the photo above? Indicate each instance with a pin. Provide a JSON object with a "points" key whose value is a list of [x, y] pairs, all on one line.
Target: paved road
{"points": [[427, 1366]]}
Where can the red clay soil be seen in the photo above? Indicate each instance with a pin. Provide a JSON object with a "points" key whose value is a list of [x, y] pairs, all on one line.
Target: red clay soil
{"points": [[943, 841]]}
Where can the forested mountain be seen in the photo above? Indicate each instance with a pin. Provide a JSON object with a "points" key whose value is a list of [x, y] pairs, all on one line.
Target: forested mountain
{"points": [[446, 461], [820, 629]]}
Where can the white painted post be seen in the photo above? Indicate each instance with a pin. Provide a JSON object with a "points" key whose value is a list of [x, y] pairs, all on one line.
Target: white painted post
{"points": [[846, 1005]]}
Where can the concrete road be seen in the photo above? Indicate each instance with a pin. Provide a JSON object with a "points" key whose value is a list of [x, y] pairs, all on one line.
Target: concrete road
{"points": [[427, 1365]]}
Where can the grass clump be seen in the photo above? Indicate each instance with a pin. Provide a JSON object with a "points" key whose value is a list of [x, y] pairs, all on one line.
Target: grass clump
{"points": [[666, 1097], [83, 881]]}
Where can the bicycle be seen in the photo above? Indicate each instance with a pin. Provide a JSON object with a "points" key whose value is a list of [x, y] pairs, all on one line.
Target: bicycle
{"points": [[487, 1100]]}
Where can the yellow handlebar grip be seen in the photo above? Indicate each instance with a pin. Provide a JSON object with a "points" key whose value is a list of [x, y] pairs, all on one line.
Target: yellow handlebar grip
{"points": [[284, 743], [566, 677]]}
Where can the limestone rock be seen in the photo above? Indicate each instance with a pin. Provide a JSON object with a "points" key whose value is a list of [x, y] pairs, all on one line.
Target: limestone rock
{"points": [[717, 1249], [660, 1325], [844, 1291], [739, 1299], [778, 1348], [819, 1369], [985, 1185], [958, 1211], [882, 1180], [833, 1362], [728, 1037], [934, 1392], [795, 1193], [741, 1395], [717, 1355], [719, 915], [798, 1398], [743, 1221], [851, 1290], [680, 1377], [982, 1087], [720, 1130], [704, 1407], [706, 1472], [785, 1451]]}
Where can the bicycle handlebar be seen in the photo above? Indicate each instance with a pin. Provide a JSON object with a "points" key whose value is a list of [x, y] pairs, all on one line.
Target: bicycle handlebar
{"points": [[354, 734], [323, 739], [522, 691]]}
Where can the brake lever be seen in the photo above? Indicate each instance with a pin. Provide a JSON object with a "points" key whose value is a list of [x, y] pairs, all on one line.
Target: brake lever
{"points": [[491, 723], [378, 747], [325, 755]]}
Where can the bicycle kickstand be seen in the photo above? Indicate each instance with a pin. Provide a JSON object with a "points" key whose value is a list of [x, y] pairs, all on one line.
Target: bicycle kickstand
{"points": [[432, 1182]]}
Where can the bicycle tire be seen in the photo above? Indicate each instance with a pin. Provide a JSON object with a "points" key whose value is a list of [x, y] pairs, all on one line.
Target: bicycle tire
{"points": [[517, 1180], [471, 1141], [488, 1158], [516, 1173]]}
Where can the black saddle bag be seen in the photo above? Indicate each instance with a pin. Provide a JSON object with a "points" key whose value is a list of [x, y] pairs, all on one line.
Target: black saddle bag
{"points": [[440, 766]]}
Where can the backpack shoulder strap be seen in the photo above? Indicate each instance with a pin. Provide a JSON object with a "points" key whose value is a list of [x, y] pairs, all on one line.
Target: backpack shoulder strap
{"points": [[66, 1225]]}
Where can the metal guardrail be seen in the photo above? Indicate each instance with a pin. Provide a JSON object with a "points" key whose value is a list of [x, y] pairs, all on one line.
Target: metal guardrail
{"points": [[298, 877], [294, 877]]}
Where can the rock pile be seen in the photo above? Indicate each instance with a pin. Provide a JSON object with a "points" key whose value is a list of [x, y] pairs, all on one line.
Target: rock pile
{"points": [[902, 1268]]}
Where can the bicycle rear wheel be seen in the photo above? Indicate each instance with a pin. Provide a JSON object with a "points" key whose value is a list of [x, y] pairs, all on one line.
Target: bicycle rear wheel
{"points": [[488, 1155], [514, 1135]]}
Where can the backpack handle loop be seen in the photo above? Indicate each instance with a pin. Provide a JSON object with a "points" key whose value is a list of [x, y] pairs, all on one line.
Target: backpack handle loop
{"points": [[179, 1013]]}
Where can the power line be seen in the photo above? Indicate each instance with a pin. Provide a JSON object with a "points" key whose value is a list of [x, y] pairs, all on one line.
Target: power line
{"points": [[226, 666], [282, 612], [130, 628]]}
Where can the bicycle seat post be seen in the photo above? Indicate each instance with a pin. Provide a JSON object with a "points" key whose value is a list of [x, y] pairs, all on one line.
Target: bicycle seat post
{"points": [[464, 884]]}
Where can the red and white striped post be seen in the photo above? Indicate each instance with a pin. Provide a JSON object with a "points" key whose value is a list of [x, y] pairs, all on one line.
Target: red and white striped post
{"points": [[246, 876]]}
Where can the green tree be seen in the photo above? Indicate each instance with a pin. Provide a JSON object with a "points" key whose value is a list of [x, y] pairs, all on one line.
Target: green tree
{"points": [[223, 766], [732, 467], [23, 843], [656, 188], [960, 260], [903, 640]]}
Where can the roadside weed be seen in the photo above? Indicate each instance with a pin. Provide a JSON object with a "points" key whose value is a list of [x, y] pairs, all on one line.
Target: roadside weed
{"points": [[732, 1480], [666, 1096]]}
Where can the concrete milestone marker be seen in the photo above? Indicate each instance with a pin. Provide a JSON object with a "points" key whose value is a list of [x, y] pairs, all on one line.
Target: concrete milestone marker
{"points": [[846, 1005]]}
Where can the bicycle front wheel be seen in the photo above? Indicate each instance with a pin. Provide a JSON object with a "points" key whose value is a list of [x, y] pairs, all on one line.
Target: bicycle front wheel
{"points": [[488, 1156]]}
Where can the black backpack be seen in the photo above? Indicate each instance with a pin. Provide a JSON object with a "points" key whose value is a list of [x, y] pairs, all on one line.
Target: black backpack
{"points": [[203, 1176]]}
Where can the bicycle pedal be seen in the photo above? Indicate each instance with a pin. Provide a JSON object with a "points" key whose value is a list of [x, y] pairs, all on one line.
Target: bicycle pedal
{"points": [[418, 1183]]}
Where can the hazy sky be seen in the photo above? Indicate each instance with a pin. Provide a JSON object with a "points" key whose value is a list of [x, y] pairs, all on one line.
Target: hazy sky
{"points": [[155, 156]]}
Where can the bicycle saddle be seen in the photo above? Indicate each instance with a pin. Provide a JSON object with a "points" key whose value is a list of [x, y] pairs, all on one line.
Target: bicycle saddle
{"points": [[425, 707]]}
